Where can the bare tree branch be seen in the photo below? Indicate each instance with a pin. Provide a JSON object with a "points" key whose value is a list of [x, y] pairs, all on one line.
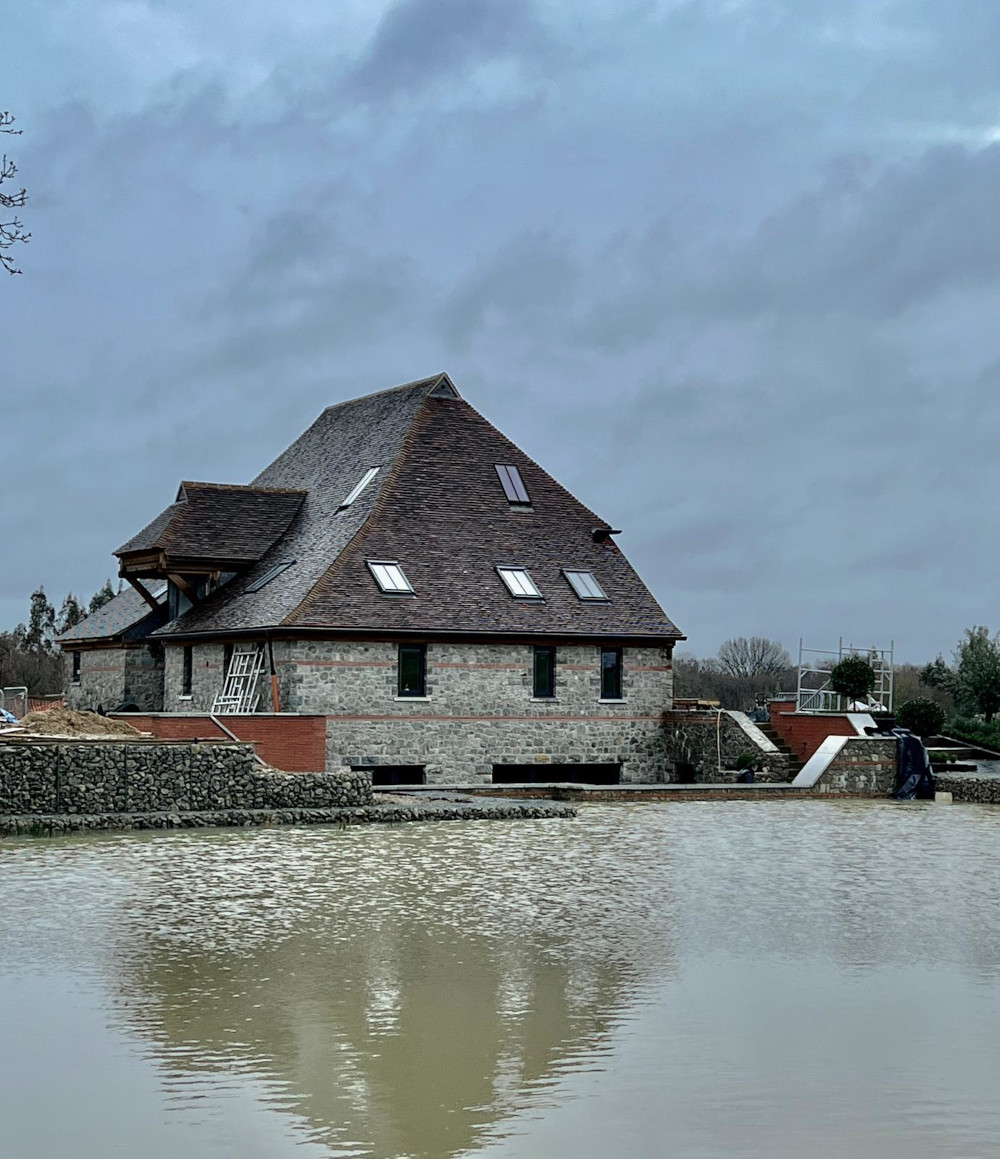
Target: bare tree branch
{"points": [[753, 656], [12, 231]]}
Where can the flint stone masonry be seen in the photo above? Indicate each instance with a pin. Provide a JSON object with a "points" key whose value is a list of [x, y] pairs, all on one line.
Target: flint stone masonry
{"points": [[864, 766], [980, 788], [692, 739], [115, 776], [479, 710], [113, 676]]}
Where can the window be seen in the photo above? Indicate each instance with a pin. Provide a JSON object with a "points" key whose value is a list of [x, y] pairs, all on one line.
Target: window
{"points": [[513, 488], [389, 576], [519, 583], [412, 675], [585, 586], [544, 676], [611, 673], [76, 667], [187, 671], [270, 574], [362, 483]]}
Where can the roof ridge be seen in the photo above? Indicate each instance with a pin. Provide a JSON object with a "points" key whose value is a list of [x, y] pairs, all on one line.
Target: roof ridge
{"points": [[430, 382], [243, 487], [378, 508]]}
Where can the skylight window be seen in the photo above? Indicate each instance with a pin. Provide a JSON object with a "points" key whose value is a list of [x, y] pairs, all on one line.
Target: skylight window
{"points": [[361, 484], [519, 583], [585, 586], [270, 574], [389, 577], [513, 487]]}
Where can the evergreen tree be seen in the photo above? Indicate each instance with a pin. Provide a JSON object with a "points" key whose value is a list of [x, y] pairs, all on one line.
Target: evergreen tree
{"points": [[70, 614], [977, 673], [41, 627], [101, 597]]}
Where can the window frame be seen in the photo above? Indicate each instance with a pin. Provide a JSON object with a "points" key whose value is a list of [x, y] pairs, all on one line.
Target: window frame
{"points": [[272, 573], [77, 665], [580, 589], [549, 690], [618, 670], [503, 570], [391, 591], [358, 489], [513, 485], [421, 652]]}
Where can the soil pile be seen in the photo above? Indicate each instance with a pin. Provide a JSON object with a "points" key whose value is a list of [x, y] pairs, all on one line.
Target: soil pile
{"points": [[65, 722]]}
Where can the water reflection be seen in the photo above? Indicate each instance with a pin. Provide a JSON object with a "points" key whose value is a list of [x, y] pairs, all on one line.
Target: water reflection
{"points": [[741, 979], [406, 990]]}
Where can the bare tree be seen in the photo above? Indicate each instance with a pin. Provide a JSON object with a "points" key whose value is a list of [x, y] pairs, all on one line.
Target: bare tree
{"points": [[756, 656], [11, 231]]}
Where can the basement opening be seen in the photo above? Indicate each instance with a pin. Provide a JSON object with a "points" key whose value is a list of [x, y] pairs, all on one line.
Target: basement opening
{"points": [[604, 774], [393, 774]]}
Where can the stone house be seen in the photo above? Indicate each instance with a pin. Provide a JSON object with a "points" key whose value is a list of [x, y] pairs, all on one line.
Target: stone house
{"points": [[407, 580]]}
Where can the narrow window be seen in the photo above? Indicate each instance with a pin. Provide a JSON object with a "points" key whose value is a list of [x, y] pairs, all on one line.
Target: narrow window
{"points": [[187, 670], [611, 673], [412, 670], [544, 687], [76, 667], [389, 576], [584, 584], [270, 574], [513, 487], [519, 583], [362, 483]]}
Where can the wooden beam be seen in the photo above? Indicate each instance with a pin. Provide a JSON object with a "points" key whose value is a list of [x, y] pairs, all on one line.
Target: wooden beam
{"points": [[146, 595], [186, 588]]}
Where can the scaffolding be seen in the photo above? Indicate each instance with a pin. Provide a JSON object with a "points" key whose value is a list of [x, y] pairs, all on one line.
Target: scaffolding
{"points": [[240, 692], [814, 694]]}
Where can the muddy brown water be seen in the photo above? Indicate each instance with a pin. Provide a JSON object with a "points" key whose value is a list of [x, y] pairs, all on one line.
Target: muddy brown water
{"points": [[700, 980]]}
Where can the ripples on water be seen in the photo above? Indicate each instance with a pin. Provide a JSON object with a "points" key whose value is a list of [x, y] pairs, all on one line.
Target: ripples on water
{"points": [[731, 979]]}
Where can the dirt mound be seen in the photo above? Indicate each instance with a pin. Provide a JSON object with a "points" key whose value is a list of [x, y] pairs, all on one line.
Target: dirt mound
{"points": [[65, 722]]}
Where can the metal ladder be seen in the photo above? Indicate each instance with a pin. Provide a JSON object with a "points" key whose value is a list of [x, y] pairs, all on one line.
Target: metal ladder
{"points": [[239, 689]]}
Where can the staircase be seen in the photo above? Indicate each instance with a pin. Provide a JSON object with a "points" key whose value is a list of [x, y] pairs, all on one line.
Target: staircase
{"points": [[792, 759]]}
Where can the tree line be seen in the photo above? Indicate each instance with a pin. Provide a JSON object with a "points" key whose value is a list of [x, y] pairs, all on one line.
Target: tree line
{"points": [[28, 654], [747, 670]]}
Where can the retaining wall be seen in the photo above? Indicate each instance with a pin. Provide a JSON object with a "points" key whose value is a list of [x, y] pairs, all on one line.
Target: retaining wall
{"points": [[695, 739], [115, 776]]}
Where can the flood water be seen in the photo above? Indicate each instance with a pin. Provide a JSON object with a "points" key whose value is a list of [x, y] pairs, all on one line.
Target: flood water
{"points": [[748, 980]]}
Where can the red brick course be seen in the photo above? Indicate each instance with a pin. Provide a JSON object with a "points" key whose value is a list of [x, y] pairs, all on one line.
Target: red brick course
{"points": [[805, 732], [294, 744]]}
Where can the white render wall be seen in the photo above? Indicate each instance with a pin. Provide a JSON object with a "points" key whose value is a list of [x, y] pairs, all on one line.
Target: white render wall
{"points": [[478, 711]]}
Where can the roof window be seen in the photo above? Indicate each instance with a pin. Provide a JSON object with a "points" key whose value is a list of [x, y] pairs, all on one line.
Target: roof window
{"points": [[389, 576], [519, 583], [585, 586], [513, 487], [358, 487], [270, 574]]}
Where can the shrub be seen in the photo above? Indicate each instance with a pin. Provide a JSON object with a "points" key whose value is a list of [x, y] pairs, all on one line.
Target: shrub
{"points": [[920, 715], [745, 760], [975, 732], [853, 678]]}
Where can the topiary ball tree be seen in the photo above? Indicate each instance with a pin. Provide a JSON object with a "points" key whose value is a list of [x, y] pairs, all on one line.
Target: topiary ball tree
{"points": [[853, 678], [920, 715]]}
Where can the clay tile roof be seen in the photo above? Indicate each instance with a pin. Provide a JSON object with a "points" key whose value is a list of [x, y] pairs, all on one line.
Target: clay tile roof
{"points": [[218, 521], [438, 507], [124, 615]]}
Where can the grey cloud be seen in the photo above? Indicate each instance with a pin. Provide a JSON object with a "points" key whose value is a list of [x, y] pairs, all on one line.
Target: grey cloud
{"points": [[420, 41]]}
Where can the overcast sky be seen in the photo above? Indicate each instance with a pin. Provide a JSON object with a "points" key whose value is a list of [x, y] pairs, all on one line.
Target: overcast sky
{"points": [[729, 270]]}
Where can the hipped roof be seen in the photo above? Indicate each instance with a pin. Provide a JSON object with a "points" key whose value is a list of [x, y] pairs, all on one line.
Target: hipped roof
{"points": [[438, 508]]}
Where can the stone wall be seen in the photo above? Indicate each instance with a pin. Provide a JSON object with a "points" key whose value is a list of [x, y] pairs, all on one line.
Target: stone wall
{"points": [[115, 776], [112, 676], [864, 765], [694, 739], [979, 788], [479, 710]]}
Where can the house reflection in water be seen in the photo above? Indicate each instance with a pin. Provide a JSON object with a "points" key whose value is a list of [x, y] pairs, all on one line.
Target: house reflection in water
{"points": [[398, 996]]}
